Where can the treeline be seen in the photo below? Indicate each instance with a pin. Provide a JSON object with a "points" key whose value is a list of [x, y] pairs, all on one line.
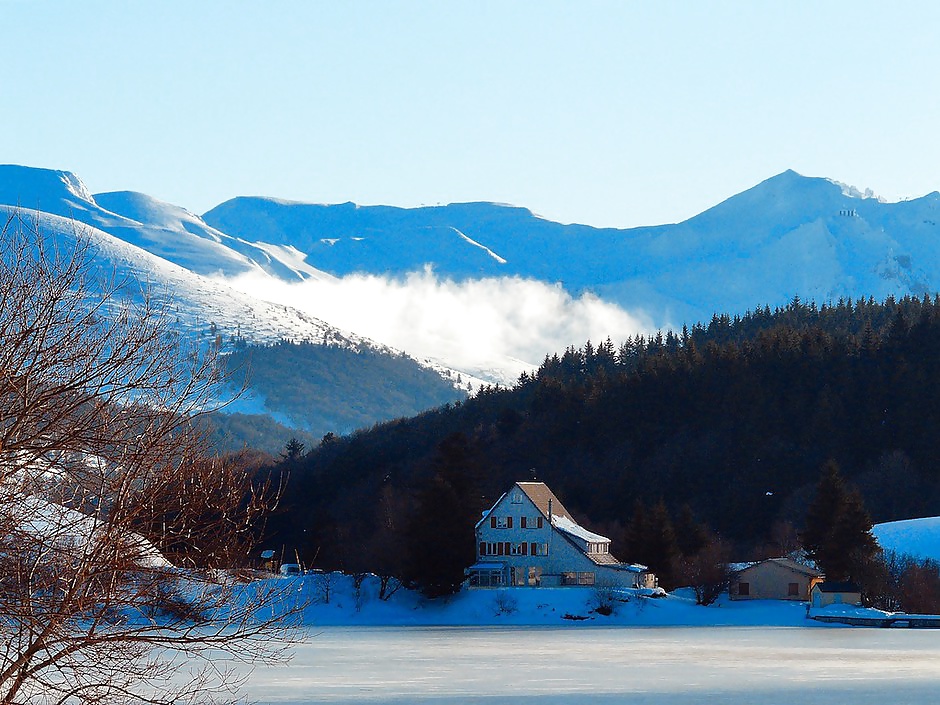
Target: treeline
{"points": [[727, 422]]}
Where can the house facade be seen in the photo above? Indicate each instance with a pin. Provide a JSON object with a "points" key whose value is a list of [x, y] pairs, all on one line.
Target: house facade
{"points": [[529, 539], [774, 579]]}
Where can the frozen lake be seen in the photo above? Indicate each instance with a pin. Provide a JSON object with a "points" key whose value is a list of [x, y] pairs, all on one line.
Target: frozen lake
{"points": [[658, 665]]}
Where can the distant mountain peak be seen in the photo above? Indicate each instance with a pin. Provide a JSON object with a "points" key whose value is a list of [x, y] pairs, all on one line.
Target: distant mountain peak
{"points": [[31, 187]]}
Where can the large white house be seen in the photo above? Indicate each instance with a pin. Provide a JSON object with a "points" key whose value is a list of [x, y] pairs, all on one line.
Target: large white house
{"points": [[528, 538]]}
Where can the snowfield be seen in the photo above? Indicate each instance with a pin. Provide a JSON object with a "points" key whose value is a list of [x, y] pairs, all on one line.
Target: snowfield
{"points": [[332, 600], [918, 537]]}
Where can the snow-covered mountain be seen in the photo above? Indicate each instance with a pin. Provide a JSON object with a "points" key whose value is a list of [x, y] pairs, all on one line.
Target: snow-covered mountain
{"points": [[170, 232], [788, 236], [151, 243]]}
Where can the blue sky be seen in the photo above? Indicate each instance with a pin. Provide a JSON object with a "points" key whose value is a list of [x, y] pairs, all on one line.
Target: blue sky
{"points": [[608, 113]]}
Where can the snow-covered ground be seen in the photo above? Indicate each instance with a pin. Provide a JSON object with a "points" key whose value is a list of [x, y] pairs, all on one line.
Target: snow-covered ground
{"points": [[332, 599], [918, 537], [525, 607]]}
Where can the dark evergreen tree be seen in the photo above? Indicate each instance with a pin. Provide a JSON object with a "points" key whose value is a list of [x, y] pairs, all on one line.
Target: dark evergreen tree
{"points": [[691, 536], [837, 534], [439, 545], [293, 450], [439, 536]]}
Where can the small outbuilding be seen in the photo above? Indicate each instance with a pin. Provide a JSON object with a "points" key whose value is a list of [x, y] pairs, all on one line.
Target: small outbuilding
{"points": [[828, 593], [774, 579]]}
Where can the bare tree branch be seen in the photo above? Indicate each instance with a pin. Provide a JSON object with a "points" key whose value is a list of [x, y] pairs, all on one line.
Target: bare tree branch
{"points": [[119, 533]]}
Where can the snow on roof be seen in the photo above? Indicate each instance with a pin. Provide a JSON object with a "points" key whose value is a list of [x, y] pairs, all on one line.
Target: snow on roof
{"points": [[573, 528]]}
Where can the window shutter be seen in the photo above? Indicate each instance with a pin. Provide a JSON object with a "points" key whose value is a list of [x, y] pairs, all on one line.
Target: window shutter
{"points": [[499, 548], [482, 548], [522, 523], [492, 522], [508, 522], [540, 522], [534, 550], [508, 549], [525, 549]]}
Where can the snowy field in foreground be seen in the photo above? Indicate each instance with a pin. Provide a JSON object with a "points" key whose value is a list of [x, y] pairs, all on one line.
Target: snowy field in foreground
{"points": [[665, 666]]}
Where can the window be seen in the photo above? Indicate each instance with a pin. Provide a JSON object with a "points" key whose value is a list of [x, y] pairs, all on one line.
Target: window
{"points": [[538, 549], [490, 548], [793, 590], [501, 522], [516, 498], [535, 576], [572, 578], [486, 578], [744, 589]]}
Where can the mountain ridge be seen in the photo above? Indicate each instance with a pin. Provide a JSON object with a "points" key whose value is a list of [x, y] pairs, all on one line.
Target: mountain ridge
{"points": [[787, 236]]}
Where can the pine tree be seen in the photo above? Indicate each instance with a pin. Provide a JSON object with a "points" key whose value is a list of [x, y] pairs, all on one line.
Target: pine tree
{"points": [[837, 534], [439, 537]]}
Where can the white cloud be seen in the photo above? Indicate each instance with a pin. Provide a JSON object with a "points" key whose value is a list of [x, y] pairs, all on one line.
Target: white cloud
{"points": [[473, 325]]}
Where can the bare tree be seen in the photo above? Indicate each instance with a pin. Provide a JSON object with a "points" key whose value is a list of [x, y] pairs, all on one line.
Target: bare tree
{"points": [[118, 530]]}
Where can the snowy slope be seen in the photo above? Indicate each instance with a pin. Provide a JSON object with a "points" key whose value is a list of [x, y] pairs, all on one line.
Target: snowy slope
{"points": [[201, 305], [918, 537], [174, 235], [160, 228]]}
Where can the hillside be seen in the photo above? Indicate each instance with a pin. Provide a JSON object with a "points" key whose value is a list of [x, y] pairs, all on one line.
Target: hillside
{"points": [[733, 420], [369, 382], [322, 389], [916, 537]]}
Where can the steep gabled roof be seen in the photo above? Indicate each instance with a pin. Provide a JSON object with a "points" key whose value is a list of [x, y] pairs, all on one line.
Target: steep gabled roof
{"points": [[540, 495]]}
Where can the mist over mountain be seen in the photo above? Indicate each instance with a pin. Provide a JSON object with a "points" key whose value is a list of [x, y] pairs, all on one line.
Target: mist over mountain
{"points": [[208, 310], [788, 236]]}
